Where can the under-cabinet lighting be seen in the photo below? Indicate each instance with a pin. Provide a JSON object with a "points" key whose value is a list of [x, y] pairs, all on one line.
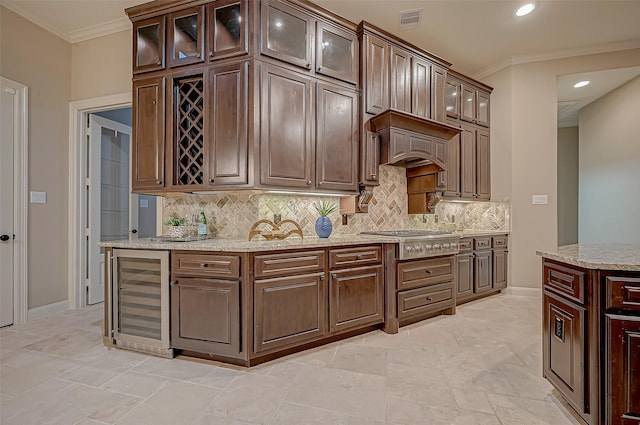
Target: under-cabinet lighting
{"points": [[526, 9], [581, 84], [288, 192]]}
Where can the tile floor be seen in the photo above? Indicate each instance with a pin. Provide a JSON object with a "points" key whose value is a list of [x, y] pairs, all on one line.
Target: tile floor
{"points": [[482, 366]]}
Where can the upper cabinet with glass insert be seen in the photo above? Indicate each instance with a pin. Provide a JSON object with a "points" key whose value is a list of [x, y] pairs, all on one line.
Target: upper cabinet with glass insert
{"points": [[336, 53], [186, 36], [287, 34], [227, 29], [148, 44]]}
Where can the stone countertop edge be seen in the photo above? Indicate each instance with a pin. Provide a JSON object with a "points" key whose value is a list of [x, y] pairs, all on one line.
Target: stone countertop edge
{"points": [[599, 256], [479, 233], [241, 245]]}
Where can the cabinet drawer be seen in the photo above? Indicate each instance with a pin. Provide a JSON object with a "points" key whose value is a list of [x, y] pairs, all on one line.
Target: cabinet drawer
{"points": [[480, 243], [425, 272], [465, 245], [203, 265], [354, 256], [564, 281], [500, 242], [623, 293], [289, 263], [424, 300]]}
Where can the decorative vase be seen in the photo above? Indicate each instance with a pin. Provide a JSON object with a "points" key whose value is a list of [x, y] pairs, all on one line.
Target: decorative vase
{"points": [[323, 226], [176, 231]]}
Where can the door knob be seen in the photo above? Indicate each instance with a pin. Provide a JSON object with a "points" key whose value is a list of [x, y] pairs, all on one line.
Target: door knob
{"points": [[4, 238]]}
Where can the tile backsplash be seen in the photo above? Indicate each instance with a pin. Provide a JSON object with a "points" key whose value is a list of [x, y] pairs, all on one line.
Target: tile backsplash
{"points": [[231, 214]]}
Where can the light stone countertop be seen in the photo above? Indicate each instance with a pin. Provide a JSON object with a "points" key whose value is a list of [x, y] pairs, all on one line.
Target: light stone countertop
{"points": [[478, 233], [602, 256], [242, 245]]}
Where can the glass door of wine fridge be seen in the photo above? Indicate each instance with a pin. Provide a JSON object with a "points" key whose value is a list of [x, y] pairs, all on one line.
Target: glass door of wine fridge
{"points": [[141, 300]]}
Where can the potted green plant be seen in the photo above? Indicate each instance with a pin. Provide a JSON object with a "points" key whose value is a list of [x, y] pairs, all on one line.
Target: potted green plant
{"points": [[323, 223], [176, 224]]}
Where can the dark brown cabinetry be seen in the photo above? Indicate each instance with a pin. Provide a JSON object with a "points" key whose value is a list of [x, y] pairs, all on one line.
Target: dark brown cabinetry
{"points": [[356, 288], [468, 171], [149, 44], [186, 36], [227, 22], [336, 138], [287, 154], [482, 266], [500, 262], [147, 157], [622, 352], [375, 67], [400, 90], [205, 303], [336, 53]]}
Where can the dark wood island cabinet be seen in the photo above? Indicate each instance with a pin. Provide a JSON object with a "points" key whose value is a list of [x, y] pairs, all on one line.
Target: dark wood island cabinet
{"points": [[591, 330]]}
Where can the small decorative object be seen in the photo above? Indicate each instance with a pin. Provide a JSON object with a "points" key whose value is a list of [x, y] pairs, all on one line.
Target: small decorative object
{"points": [[323, 223], [177, 225], [202, 226], [275, 230]]}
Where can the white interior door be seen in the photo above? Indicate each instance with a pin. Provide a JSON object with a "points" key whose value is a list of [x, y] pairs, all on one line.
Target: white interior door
{"points": [[112, 209], [7, 112]]}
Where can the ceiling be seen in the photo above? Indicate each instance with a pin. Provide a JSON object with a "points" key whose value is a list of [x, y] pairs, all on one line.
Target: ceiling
{"points": [[478, 36]]}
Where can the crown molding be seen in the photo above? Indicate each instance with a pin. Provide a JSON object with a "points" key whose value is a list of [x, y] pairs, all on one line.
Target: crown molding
{"points": [[39, 22], [77, 36], [561, 54], [110, 27]]}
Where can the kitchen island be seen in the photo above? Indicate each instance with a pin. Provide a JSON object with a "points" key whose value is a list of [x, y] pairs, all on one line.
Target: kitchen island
{"points": [[591, 329]]}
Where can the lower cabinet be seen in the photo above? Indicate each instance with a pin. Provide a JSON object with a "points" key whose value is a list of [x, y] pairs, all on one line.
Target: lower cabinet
{"points": [[482, 267], [205, 303], [206, 315], [356, 298], [564, 339], [623, 370], [288, 310]]}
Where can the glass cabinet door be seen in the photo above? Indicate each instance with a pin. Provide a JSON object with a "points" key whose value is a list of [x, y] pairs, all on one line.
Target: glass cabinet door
{"points": [[148, 46], [336, 53], [186, 36], [468, 104], [483, 109], [227, 28], [286, 34], [452, 99]]}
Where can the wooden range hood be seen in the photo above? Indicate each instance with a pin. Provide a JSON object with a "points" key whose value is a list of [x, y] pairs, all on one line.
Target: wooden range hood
{"points": [[408, 140]]}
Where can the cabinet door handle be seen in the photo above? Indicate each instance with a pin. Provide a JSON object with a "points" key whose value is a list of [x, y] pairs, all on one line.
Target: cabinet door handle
{"points": [[173, 283], [309, 182], [428, 271], [159, 63], [319, 183], [429, 299], [334, 276], [359, 257], [198, 55], [204, 265], [211, 180], [158, 181]]}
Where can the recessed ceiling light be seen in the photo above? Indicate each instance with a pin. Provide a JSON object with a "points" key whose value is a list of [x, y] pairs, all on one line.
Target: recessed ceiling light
{"points": [[526, 9], [581, 84]]}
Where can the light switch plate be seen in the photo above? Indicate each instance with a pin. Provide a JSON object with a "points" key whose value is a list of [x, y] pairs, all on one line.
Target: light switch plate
{"points": [[539, 200], [144, 203], [38, 197]]}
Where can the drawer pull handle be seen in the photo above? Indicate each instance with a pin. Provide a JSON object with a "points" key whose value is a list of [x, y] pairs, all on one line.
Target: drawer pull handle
{"points": [[429, 271], [204, 265], [429, 299], [359, 257]]}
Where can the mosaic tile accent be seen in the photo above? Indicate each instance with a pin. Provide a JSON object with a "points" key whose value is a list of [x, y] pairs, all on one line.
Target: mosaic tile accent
{"points": [[231, 215]]}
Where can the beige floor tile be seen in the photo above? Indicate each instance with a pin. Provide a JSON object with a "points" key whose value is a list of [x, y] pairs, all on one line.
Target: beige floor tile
{"points": [[353, 393], [400, 411], [251, 398], [362, 359], [175, 403], [472, 400], [479, 379], [419, 384], [520, 411], [295, 414], [440, 416], [135, 384]]}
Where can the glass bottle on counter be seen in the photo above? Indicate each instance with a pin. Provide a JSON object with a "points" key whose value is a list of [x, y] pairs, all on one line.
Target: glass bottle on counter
{"points": [[202, 226]]}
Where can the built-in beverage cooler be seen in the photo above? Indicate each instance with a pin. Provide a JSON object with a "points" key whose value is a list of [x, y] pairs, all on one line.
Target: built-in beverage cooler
{"points": [[140, 300]]}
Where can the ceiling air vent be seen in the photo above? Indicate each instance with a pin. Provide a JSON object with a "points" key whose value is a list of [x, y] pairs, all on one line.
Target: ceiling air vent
{"points": [[409, 19]]}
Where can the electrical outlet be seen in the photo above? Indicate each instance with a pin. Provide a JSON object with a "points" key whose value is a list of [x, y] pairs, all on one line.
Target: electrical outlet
{"points": [[539, 200], [38, 197]]}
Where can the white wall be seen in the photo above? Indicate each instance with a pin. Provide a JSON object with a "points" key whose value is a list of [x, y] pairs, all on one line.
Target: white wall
{"points": [[568, 185], [34, 57], [610, 167], [531, 134]]}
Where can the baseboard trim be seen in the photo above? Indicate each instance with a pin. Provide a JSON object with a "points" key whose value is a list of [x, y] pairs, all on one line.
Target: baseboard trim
{"points": [[45, 310], [523, 292]]}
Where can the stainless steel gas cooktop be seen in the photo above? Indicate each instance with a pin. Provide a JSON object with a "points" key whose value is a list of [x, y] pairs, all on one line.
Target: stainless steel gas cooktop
{"points": [[420, 243]]}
